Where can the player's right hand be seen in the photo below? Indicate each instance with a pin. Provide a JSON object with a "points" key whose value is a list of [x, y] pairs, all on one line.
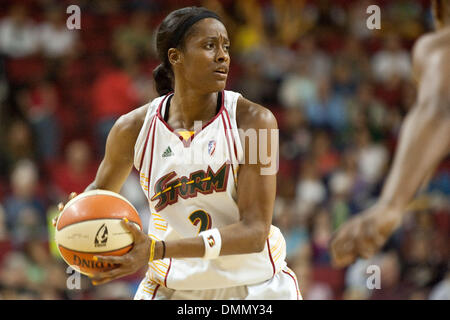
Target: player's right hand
{"points": [[61, 207], [363, 235]]}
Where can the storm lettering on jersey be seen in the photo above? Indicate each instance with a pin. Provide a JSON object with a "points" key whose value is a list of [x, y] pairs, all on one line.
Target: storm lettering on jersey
{"points": [[205, 182]]}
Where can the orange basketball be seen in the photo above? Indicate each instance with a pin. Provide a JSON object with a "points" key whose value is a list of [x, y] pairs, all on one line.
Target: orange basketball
{"points": [[90, 225]]}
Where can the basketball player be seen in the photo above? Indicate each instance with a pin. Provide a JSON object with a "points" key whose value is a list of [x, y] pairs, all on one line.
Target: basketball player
{"points": [[210, 234], [424, 141]]}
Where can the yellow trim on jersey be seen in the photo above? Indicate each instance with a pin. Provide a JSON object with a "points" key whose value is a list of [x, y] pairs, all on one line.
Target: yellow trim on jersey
{"points": [[277, 245], [148, 291], [157, 270], [153, 236], [176, 186], [278, 254], [186, 134], [160, 225], [159, 262]]}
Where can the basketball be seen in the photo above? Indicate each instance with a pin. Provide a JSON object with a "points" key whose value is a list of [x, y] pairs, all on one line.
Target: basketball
{"points": [[89, 225]]}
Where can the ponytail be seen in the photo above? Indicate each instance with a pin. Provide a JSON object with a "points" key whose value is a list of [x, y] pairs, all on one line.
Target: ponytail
{"points": [[163, 79]]}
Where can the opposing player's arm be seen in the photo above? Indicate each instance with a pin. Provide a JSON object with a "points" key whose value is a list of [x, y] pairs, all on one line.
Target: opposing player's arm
{"points": [[423, 143], [419, 53], [424, 138]]}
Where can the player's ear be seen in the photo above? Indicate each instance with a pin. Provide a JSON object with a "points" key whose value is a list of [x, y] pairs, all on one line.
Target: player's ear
{"points": [[174, 56]]}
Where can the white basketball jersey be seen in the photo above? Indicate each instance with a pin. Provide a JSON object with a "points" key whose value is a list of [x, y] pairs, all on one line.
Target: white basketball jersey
{"points": [[191, 187]]}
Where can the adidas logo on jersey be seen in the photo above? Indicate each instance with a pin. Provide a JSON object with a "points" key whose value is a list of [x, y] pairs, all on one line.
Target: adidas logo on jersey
{"points": [[167, 153]]}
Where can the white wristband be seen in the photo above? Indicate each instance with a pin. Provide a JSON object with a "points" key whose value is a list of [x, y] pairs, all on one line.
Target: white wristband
{"points": [[213, 243]]}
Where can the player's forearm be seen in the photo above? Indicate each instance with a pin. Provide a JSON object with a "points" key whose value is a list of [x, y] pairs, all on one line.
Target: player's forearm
{"points": [[423, 143], [90, 187], [237, 238], [242, 237], [111, 175]]}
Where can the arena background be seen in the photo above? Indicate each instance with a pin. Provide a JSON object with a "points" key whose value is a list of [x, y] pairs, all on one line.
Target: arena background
{"points": [[338, 90]]}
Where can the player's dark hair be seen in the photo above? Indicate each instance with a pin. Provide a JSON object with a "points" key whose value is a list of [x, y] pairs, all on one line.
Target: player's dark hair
{"points": [[438, 9], [441, 11], [172, 33]]}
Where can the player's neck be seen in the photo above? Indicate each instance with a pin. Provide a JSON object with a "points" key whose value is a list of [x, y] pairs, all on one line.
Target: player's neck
{"points": [[191, 105]]}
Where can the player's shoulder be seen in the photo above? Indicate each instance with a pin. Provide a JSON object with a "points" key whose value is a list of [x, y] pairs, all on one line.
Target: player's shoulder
{"points": [[129, 124], [430, 53], [250, 114], [134, 120], [423, 43], [432, 45]]}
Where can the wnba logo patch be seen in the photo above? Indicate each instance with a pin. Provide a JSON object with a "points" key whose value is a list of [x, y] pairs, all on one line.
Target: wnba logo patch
{"points": [[211, 147], [101, 237], [211, 241]]}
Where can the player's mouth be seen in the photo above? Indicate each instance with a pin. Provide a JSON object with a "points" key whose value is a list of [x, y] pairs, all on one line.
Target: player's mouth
{"points": [[222, 72]]}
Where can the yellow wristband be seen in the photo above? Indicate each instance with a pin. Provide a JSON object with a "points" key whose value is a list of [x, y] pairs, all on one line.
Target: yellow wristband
{"points": [[152, 250]]}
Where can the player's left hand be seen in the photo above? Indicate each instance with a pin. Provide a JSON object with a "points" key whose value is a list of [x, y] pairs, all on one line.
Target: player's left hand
{"points": [[130, 262], [61, 208], [363, 235]]}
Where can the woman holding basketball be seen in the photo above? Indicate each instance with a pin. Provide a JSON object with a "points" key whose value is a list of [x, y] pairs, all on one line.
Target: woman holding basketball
{"points": [[210, 234]]}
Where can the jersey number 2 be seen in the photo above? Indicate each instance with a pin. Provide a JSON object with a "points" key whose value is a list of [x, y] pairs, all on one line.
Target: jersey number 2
{"points": [[200, 216]]}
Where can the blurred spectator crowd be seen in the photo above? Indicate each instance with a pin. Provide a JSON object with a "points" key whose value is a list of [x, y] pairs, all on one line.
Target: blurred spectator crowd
{"points": [[338, 90]]}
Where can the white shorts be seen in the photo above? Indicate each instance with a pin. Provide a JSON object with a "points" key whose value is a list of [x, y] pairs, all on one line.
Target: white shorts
{"points": [[282, 286]]}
